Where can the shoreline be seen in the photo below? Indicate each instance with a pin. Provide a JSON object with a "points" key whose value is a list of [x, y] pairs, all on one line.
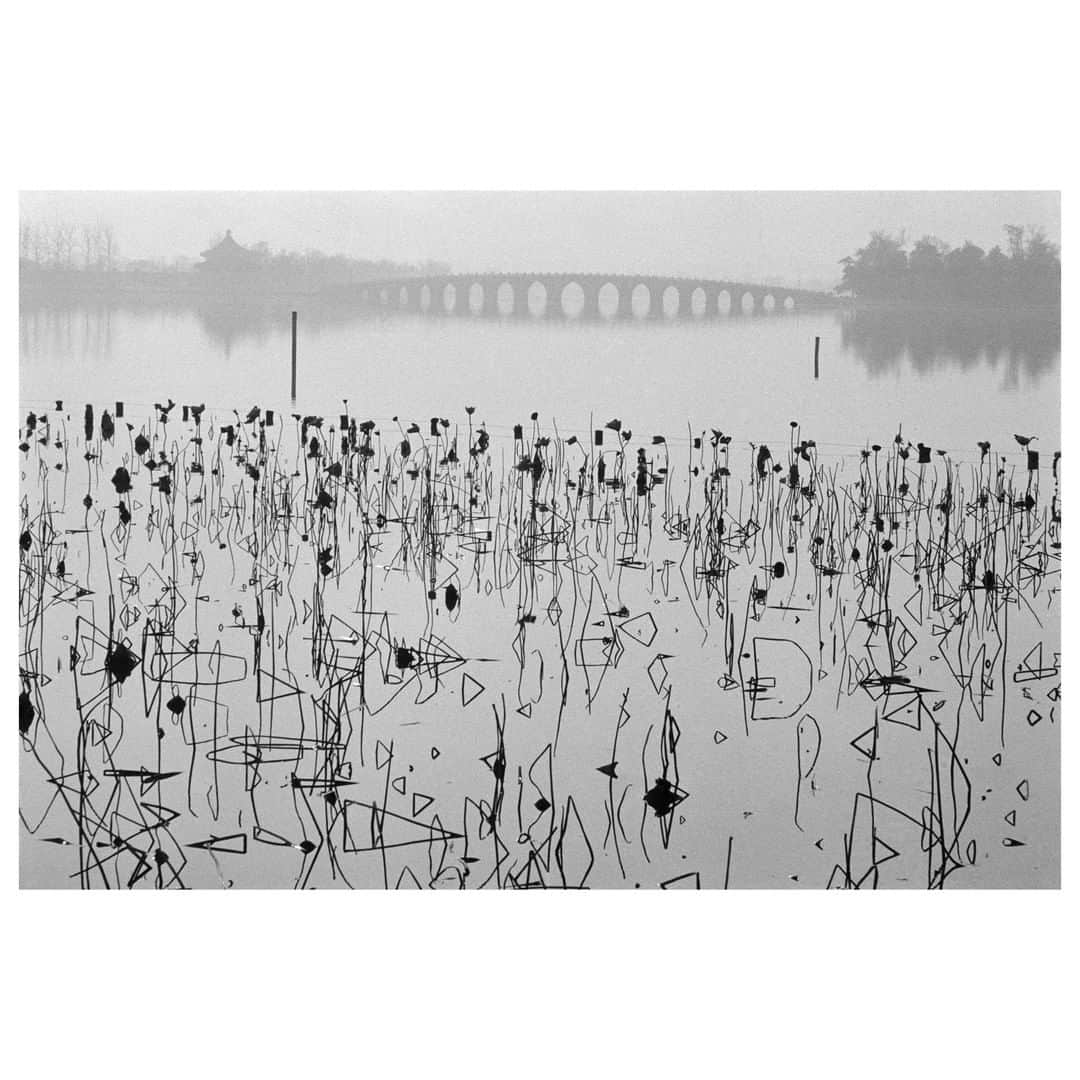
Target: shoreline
{"points": [[176, 288], [989, 308]]}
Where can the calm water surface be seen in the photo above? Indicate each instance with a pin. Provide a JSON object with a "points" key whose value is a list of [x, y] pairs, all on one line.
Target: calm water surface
{"points": [[631, 630], [949, 380]]}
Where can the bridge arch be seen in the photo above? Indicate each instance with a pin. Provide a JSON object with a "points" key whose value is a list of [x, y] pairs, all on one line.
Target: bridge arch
{"points": [[573, 299], [608, 300], [641, 299], [474, 298], [582, 295], [504, 298], [535, 296]]}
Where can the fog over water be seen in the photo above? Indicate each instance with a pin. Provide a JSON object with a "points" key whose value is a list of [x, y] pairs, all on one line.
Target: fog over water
{"points": [[749, 375], [226, 342], [687, 574], [795, 237]]}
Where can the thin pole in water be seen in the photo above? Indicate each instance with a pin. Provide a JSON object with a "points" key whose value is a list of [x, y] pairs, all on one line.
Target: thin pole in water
{"points": [[817, 349], [294, 358]]}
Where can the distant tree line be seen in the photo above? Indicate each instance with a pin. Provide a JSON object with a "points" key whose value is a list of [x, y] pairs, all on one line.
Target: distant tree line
{"points": [[1027, 272], [317, 269], [62, 245], [64, 250]]}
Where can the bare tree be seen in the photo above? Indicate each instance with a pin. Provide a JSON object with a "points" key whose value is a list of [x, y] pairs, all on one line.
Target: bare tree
{"points": [[88, 246], [91, 242], [62, 238], [108, 245], [39, 243], [56, 245], [1015, 233]]}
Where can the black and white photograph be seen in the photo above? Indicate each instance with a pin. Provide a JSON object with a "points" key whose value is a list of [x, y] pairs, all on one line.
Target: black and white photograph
{"points": [[366, 564], [540, 539]]}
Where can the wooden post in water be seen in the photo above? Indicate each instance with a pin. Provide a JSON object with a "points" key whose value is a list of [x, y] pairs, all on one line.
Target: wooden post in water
{"points": [[294, 358], [817, 349]]}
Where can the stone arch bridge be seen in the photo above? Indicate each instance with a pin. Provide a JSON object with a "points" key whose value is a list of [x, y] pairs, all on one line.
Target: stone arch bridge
{"points": [[583, 295]]}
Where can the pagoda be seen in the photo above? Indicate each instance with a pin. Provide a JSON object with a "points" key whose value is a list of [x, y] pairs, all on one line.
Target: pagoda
{"points": [[227, 256]]}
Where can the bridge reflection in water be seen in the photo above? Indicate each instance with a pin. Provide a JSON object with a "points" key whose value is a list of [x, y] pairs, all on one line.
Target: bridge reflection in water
{"points": [[587, 296]]}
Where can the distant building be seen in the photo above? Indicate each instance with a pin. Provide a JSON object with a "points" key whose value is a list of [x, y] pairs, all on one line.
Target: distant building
{"points": [[228, 256]]}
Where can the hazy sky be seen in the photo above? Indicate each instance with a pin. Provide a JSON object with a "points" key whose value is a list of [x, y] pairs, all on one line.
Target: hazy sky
{"points": [[797, 237]]}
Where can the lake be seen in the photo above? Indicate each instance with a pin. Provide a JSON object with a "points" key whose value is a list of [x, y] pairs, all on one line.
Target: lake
{"points": [[749, 376], [703, 622]]}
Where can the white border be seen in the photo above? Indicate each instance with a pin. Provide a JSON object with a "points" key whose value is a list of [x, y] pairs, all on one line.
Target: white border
{"points": [[425, 95]]}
